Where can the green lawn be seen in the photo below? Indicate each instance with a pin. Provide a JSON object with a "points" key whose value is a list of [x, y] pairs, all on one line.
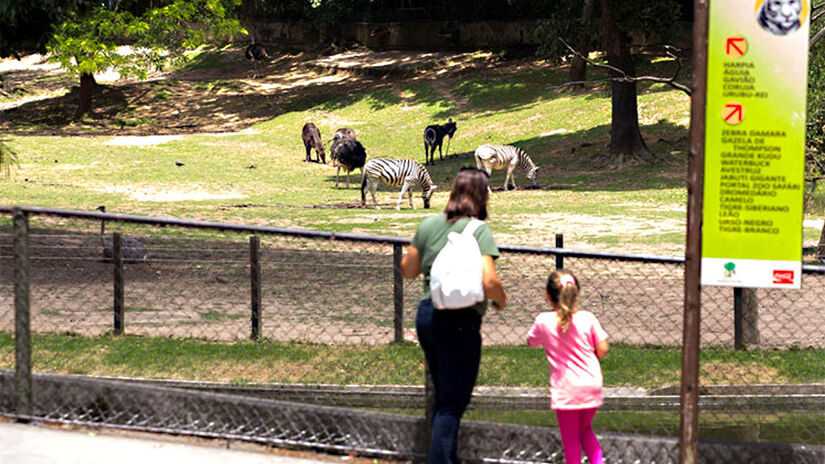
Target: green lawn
{"points": [[258, 176], [267, 362], [629, 208]]}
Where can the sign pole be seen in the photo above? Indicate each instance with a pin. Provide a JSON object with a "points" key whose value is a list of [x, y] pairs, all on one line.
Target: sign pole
{"points": [[689, 395]]}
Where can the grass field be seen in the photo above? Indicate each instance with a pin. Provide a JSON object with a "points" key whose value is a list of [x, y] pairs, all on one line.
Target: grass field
{"points": [[256, 175], [272, 362]]}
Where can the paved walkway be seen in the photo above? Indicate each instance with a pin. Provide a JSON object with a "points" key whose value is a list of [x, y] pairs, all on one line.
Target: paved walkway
{"points": [[39, 444]]}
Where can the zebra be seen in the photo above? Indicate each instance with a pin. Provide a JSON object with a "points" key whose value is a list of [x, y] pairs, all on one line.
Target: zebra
{"points": [[489, 157], [404, 172], [434, 137]]}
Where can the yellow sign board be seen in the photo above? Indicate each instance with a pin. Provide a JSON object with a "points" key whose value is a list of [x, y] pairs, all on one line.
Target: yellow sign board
{"points": [[755, 143]]}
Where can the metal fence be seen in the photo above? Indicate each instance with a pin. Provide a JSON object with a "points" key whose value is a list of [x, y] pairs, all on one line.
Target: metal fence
{"points": [[267, 320]]}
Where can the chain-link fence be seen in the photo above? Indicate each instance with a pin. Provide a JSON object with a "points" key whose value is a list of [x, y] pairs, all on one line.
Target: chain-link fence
{"points": [[266, 334]]}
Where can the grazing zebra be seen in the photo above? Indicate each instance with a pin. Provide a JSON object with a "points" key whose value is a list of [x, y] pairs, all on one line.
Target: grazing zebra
{"points": [[489, 157], [404, 172], [434, 137]]}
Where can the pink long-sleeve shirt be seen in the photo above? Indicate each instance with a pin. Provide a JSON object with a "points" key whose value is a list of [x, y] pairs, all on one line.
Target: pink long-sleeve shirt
{"points": [[575, 373]]}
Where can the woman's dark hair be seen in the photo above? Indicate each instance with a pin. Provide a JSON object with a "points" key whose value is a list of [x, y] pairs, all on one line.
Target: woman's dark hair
{"points": [[469, 194]]}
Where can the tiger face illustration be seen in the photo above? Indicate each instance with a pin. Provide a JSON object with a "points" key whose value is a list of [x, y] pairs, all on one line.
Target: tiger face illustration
{"points": [[780, 17]]}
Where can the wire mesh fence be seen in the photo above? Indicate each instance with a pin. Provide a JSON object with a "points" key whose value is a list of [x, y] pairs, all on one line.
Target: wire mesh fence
{"points": [[324, 320]]}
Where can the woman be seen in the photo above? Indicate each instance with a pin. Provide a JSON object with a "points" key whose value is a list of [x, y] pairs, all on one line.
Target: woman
{"points": [[451, 339]]}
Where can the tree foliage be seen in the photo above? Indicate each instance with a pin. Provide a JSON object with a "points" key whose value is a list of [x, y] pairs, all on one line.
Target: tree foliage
{"points": [[26, 26], [8, 157], [563, 22], [646, 21], [815, 134], [88, 42]]}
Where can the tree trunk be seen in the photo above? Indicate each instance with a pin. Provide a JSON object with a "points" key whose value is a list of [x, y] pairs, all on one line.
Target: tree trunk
{"points": [[820, 247], [578, 68], [84, 95], [626, 141]]}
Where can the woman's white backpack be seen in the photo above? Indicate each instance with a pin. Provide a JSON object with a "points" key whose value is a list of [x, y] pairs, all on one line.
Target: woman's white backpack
{"points": [[455, 276]]}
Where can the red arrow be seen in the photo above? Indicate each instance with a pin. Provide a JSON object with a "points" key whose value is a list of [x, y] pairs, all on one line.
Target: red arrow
{"points": [[731, 42], [737, 109]]}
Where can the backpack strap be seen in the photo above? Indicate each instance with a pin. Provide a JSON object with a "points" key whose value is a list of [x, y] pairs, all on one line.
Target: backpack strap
{"points": [[472, 226]]}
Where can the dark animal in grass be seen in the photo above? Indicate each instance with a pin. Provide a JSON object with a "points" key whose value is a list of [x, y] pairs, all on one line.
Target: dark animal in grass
{"points": [[133, 250], [338, 135], [312, 139], [434, 137], [343, 132], [349, 154], [255, 53]]}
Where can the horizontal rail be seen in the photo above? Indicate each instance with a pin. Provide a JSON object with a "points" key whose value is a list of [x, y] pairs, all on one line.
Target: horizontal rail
{"points": [[223, 226], [194, 224]]}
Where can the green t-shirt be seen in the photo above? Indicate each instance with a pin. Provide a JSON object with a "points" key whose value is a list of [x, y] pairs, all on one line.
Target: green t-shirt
{"points": [[431, 237]]}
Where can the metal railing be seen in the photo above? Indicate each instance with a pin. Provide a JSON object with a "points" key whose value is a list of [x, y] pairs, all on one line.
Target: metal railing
{"points": [[324, 320]]}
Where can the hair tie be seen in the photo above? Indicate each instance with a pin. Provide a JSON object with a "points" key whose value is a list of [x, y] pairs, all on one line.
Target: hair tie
{"points": [[567, 279]]}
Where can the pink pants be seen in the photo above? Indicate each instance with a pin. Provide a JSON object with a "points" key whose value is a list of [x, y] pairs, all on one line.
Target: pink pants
{"points": [[577, 433]]}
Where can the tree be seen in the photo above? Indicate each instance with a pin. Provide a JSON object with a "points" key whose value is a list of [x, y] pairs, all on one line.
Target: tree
{"points": [[618, 20], [88, 42], [26, 26], [569, 22], [578, 67], [8, 157], [815, 133]]}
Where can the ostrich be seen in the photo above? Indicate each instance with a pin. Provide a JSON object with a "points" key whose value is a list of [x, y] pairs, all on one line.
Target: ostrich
{"points": [[133, 250], [338, 135], [255, 52], [349, 154]]}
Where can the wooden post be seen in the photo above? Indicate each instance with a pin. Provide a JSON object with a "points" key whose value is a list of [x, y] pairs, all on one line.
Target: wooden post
{"points": [[255, 284], [22, 315], [559, 258], [397, 293], [117, 265], [738, 343], [745, 318], [689, 393]]}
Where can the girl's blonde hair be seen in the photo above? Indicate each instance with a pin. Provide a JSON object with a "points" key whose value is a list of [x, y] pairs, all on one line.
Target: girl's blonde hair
{"points": [[563, 288]]}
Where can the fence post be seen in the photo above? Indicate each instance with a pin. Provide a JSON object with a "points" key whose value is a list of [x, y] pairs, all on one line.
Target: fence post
{"points": [[22, 315], [117, 264], [559, 258], [398, 293], [255, 283], [745, 318], [429, 405]]}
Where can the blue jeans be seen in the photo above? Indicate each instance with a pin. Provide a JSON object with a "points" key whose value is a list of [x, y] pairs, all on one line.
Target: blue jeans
{"points": [[451, 340]]}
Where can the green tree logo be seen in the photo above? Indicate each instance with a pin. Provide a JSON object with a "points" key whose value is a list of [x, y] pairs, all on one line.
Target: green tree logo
{"points": [[730, 269]]}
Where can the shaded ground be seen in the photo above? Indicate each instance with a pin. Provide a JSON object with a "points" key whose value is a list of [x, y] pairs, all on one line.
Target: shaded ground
{"points": [[225, 93]]}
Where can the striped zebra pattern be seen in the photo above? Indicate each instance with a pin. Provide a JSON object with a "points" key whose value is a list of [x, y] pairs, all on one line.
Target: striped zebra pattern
{"points": [[404, 172], [489, 157]]}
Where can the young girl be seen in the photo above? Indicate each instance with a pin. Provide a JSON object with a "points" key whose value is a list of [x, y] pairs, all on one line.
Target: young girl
{"points": [[574, 342]]}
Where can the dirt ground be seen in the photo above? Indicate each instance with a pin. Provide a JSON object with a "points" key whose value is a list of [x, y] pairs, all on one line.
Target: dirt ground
{"points": [[36, 97]]}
